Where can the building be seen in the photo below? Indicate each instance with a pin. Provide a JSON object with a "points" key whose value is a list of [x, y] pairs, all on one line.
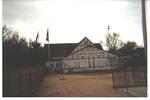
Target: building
{"points": [[78, 57]]}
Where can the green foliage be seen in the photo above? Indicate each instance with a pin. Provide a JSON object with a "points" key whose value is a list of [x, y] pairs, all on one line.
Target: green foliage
{"points": [[138, 60], [17, 52], [135, 53], [128, 49]]}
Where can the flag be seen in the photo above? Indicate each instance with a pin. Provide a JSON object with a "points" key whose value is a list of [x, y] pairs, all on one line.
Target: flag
{"points": [[37, 37], [47, 36]]}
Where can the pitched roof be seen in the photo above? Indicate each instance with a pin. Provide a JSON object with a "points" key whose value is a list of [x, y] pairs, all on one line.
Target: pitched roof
{"points": [[65, 49]]}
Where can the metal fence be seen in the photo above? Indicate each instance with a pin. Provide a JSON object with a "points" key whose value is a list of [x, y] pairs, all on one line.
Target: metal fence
{"points": [[132, 80], [24, 83]]}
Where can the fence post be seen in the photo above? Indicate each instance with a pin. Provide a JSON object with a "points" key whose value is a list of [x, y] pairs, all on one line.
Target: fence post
{"points": [[126, 83], [20, 84], [110, 63], [30, 83]]}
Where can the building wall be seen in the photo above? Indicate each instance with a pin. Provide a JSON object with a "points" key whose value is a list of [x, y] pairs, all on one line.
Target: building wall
{"points": [[54, 66], [89, 62], [87, 59], [86, 56]]}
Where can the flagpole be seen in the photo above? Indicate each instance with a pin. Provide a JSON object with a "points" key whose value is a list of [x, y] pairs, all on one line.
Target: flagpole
{"points": [[47, 38], [49, 55], [37, 37], [48, 50]]}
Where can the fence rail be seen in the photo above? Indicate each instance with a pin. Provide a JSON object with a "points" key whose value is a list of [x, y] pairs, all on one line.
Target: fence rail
{"points": [[124, 78], [131, 79], [24, 83]]}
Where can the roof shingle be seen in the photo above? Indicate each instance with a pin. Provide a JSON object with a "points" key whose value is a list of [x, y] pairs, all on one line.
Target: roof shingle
{"points": [[65, 49]]}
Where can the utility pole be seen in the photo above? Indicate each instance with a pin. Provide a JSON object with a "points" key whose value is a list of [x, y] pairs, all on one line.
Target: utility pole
{"points": [[144, 27], [110, 58], [108, 28]]}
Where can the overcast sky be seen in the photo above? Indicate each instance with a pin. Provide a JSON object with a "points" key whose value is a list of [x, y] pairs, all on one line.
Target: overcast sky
{"points": [[71, 20]]}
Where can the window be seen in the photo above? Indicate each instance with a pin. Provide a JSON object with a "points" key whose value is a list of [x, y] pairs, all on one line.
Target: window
{"points": [[82, 56], [87, 48], [85, 42], [75, 64], [101, 52], [57, 64], [78, 64], [99, 55]]}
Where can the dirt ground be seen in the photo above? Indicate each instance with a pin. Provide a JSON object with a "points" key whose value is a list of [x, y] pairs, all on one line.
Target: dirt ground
{"points": [[79, 85]]}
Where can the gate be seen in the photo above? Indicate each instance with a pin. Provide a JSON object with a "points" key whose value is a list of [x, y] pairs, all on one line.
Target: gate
{"points": [[129, 78]]}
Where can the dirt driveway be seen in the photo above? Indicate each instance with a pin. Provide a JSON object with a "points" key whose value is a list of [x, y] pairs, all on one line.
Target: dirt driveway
{"points": [[79, 85]]}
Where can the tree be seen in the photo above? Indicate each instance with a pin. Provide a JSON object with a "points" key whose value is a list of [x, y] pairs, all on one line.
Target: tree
{"points": [[36, 53], [113, 42], [128, 49], [15, 48], [18, 52], [34, 44], [135, 54], [9, 34], [138, 60]]}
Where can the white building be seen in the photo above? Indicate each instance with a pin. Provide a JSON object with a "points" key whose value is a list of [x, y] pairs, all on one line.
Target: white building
{"points": [[78, 57]]}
